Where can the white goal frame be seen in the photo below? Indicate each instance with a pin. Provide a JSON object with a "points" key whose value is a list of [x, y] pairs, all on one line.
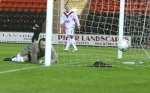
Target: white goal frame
{"points": [[49, 23], [121, 24]]}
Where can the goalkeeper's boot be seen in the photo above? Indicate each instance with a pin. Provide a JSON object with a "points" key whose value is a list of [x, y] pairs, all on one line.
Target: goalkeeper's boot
{"points": [[8, 59], [66, 50]]}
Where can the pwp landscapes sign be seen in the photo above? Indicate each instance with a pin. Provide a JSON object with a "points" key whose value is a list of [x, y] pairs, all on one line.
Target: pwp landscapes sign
{"points": [[96, 40], [81, 39]]}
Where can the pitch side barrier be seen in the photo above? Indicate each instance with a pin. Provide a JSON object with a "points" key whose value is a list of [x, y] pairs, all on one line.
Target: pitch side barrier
{"points": [[81, 39]]}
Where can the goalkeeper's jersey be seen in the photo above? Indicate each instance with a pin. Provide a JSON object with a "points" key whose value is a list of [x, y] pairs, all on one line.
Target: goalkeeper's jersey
{"points": [[27, 50]]}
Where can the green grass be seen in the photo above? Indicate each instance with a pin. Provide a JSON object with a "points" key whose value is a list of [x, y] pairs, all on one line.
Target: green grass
{"points": [[72, 75]]}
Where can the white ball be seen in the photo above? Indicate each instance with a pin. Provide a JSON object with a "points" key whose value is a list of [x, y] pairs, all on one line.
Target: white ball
{"points": [[41, 62], [123, 45]]}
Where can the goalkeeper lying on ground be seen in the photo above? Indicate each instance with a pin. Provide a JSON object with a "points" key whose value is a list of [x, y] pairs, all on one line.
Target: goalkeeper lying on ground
{"points": [[33, 52]]}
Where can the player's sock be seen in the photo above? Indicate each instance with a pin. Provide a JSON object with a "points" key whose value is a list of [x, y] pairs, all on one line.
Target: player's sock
{"points": [[18, 59], [68, 43], [73, 43]]}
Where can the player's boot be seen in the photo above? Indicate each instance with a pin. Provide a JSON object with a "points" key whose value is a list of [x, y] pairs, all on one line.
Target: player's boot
{"points": [[75, 50], [66, 50], [8, 59]]}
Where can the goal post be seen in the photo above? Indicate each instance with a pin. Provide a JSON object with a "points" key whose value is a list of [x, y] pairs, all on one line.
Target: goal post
{"points": [[49, 23], [121, 24]]}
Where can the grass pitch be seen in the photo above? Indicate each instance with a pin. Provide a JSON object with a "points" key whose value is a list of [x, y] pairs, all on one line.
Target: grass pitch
{"points": [[72, 75]]}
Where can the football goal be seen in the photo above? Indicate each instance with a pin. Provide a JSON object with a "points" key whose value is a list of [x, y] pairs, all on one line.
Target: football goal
{"points": [[99, 33]]}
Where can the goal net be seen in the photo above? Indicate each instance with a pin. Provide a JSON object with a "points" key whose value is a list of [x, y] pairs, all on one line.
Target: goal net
{"points": [[98, 36]]}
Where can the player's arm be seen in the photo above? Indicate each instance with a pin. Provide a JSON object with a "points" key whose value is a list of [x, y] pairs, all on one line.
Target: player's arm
{"points": [[34, 53], [54, 56], [61, 21], [77, 20]]}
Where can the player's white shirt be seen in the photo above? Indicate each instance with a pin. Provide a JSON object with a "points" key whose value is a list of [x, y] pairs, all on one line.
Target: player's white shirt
{"points": [[69, 19]]}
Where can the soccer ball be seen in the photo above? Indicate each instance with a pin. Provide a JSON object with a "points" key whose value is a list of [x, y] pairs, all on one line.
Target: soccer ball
{"points": [[123, 45]]}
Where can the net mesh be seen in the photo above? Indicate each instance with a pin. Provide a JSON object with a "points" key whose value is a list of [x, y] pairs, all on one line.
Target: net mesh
{"points": [[100, 24]]}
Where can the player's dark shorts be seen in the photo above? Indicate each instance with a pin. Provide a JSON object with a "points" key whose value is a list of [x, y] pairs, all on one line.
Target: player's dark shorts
{"points": [[29, 57]]}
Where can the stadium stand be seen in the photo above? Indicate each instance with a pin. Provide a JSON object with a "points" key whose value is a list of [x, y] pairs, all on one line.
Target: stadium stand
{"points": [[20, 15], [103, 16]]}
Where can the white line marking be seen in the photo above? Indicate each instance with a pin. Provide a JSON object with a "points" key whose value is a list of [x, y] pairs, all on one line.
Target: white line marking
{"points": [[14, 70]]}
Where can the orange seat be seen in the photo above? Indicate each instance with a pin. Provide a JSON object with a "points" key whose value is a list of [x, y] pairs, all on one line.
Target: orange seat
{"points": [[26, 10], [44, 10], [136, 1], [92, 10], [10, 4], [35, 4], [12, 9], [6, 8], [109, 3], [10, 1], [116, 3], [26, 7], [16, 4], [19, 9], [22, 4], [43, 7], [43, 0], [23, 1], [127, 12], [101, 3], [99, 9], [16, 1], [112, 9], [1, 9], [93, 6], [33, 7], [29, 4], [32, 10], [136, 4], [4, 1], [13, 6], [42, 4], [39, 10], [30, 1], [106, 8], [1, 6], [40, 7]]}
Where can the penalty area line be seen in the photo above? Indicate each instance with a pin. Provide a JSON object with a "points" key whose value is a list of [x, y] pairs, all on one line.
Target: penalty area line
{"points": [[15, 70]]}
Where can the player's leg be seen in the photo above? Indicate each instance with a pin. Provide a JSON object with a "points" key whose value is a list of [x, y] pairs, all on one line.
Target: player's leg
{"points": [[19, 58], [74, 44], [68, 40], [73, 40], [33, 38], [37, 36], [68, 43]]}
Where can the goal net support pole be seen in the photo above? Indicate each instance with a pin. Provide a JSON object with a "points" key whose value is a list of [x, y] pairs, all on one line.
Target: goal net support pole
{"points": [[121, 24], [49, 21]]}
